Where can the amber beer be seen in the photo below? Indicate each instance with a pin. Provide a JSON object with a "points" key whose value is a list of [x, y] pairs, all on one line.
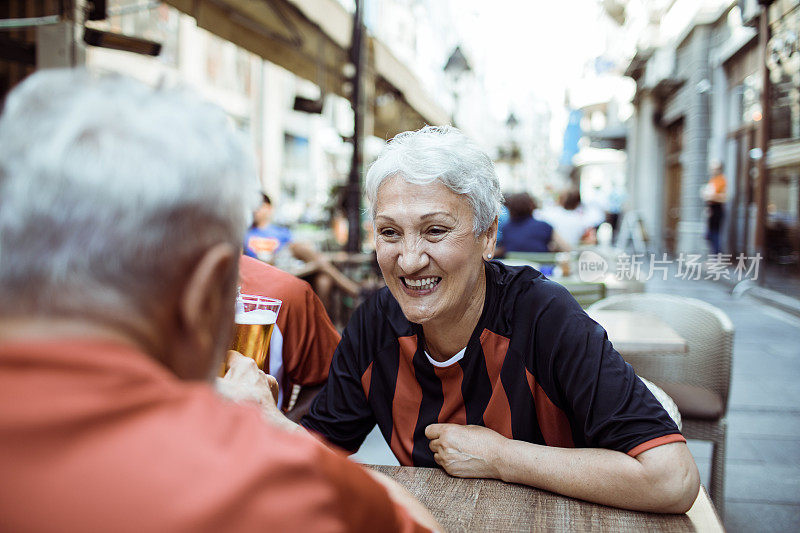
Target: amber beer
{"points": [[254, 323], [253, 333]]}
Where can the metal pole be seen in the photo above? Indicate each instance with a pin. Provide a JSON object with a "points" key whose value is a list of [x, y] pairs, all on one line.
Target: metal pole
{"points": [[763, 138], [60, 44], [353, 198]]}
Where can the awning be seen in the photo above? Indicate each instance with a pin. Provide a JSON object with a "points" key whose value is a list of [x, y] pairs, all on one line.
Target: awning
{"points": [[783, 154], [311, 39]]}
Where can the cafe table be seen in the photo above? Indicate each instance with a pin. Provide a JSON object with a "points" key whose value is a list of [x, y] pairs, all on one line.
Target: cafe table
{"points": [[491, 505], [637, 333]]}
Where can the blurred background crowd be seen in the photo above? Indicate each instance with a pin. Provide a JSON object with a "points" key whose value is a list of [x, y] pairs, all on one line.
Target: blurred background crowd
{"points": [[616, 111]]}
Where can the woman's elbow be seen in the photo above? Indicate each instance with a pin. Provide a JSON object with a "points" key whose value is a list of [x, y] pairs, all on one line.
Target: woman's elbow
{"points": [[678, 489], [672, 478]]}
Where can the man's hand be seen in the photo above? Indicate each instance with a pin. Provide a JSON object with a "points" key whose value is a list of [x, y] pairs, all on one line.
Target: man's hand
{"points": [[466, 451], [245, 381]]}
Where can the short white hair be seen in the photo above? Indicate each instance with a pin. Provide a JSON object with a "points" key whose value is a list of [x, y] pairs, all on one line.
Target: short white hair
{"points": [[110, 190], [444, 154]]}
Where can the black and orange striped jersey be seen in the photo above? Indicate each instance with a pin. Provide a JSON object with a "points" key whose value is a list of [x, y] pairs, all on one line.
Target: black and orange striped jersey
{"points": [[536, 368]]}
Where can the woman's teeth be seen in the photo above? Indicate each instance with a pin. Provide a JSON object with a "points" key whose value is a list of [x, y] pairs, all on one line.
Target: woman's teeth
{"points": [[422, 284]]}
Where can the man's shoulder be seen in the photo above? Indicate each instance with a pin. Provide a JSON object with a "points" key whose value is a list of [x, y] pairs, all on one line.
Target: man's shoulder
{"points": [[296, 482], [203, 424], [151, 439], [261, 278], [257, 468]]}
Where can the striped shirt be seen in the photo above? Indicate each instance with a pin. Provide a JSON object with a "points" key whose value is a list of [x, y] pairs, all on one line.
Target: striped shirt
{"points": [[536, 369]]}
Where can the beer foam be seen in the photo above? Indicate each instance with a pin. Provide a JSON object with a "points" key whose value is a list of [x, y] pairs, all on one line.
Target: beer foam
{"points": [[257, 316]]}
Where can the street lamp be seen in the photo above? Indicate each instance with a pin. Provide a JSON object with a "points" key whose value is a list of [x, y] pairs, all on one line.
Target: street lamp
{"points": [[514, 153], [456, 66], [512, 121]]}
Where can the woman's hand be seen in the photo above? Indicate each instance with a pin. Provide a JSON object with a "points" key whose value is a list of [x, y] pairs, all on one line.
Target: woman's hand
{"points": [[466, 451]]}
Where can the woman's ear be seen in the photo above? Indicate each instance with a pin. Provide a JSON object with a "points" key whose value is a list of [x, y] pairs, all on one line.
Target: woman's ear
{"points": [[491, 239]]}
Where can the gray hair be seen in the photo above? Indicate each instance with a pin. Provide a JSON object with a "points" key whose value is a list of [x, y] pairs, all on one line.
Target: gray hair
{"points": [[111, 190], [444, 154]]}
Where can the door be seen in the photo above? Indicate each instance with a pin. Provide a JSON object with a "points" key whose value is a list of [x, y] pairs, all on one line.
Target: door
{"points": [[672, 186]]}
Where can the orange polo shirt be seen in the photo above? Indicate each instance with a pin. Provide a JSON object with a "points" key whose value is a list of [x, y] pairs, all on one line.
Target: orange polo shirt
{"points": [[97, 436]]}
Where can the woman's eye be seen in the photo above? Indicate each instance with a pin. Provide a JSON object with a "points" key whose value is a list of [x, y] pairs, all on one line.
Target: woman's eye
{"points": [[388, 233], [436, 231]]}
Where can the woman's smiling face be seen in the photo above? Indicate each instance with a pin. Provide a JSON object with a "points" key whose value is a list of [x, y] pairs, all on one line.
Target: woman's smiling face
{"points": [[428, 253]]}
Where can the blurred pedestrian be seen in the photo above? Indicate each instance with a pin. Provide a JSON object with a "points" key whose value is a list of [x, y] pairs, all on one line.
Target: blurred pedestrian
{"points": [[715, 194], [523, 232], [265, 240], [569, 219], [614, 202], [268, 242]]}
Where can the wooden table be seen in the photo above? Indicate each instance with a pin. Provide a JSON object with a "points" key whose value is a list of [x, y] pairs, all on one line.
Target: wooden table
{"points": [[491, 505], [636, 333]]}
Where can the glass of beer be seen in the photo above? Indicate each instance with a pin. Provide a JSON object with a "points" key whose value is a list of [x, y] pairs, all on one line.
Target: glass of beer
{"points": [[255, 320]]}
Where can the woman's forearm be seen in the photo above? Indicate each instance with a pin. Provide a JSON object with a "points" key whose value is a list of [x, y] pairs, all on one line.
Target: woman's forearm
{"points": [[663, 479]]}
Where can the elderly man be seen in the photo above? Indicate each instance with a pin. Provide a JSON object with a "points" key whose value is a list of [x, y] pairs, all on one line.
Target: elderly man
{"points": [[121, 213]]}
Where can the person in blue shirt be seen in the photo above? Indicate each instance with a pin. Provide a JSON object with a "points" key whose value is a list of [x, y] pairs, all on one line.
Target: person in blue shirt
{"points": [[524, 233], [265, 240]]}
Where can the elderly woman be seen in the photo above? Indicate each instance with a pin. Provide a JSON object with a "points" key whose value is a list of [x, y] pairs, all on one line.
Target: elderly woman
{"points": [[484, 369]]}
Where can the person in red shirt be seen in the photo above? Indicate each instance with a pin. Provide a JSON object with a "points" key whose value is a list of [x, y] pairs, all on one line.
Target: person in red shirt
{"points": [[109, 338], [304, 338]]}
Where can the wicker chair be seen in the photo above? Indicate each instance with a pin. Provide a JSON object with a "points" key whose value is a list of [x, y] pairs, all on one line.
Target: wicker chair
{"points": [[666, 402], [698, 381]]}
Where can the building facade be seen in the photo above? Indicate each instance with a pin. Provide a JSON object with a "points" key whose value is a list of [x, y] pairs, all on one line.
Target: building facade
{"points": [[724, 89]]}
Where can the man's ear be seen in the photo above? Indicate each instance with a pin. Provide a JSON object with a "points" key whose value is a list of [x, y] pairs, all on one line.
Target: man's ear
{"points": [[205, 310]]}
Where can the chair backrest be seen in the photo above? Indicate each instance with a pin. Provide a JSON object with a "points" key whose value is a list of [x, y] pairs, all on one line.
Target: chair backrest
{"points": [[708, 332], [543, 258], [585, 293]]}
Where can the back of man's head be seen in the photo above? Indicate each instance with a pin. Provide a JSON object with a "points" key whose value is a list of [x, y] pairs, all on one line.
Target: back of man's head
{"points": [[110, 191]]}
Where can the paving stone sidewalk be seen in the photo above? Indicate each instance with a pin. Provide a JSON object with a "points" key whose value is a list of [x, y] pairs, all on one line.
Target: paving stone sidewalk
{"points": [[762, 482]]}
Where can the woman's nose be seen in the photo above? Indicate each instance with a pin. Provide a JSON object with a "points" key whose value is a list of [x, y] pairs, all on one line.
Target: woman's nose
{"points": [[413, 257]]}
